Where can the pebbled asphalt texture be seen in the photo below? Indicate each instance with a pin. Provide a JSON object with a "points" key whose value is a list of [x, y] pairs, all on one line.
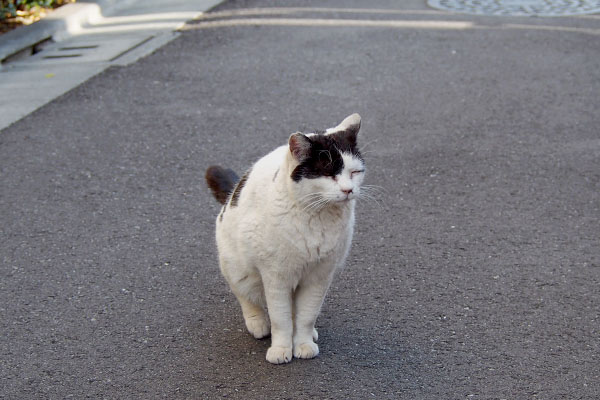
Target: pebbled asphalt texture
{"points": [[475, 275]]}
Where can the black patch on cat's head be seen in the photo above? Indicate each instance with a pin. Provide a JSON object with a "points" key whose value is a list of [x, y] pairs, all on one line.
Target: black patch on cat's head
{"points": [[346, 141], [320, 154]]}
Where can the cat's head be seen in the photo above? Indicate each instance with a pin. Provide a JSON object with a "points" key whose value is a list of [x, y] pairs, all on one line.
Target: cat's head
{"points": [[328, 167]]}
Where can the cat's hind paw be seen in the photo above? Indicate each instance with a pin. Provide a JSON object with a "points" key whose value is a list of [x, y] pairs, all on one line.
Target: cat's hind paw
{"points": [[306, 350], [315, 335], [258, 327], [279, 355]]}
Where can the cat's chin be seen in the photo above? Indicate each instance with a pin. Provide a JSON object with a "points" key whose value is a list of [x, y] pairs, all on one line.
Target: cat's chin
{"points": [[347, 198], [344, 200]]}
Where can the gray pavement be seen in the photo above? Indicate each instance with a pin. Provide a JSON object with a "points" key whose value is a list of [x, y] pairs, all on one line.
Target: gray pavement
{"points": [[475, 276]]}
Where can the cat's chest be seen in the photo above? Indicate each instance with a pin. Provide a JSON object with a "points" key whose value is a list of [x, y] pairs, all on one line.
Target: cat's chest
{"points": [[320, 237]]}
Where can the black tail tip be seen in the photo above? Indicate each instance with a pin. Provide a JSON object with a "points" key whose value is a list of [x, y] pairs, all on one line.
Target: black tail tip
{"points": [[221, 182]]}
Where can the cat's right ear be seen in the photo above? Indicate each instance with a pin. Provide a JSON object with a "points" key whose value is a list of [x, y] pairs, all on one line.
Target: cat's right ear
{"points": [[299, 146]]}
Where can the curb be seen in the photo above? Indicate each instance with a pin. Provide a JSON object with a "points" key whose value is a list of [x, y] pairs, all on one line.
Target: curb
{"points": [[57, 24]]}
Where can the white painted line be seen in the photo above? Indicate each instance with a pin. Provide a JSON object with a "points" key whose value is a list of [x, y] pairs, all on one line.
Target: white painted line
{"points": [[308, 22]]}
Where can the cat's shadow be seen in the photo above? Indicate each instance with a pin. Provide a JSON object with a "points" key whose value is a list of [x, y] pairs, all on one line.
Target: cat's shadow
{"points": [[373, 357]]}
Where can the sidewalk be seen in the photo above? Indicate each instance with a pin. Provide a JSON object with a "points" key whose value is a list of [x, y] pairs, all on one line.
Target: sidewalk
{"points": [[80, 40]]}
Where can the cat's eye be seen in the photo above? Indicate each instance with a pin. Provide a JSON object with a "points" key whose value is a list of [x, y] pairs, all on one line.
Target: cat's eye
{"points": [[356, 172]]}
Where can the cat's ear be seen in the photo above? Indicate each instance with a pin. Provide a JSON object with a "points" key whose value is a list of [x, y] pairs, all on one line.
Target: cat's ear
{"points": [[350, 123], [348, 129], [299, 146]]}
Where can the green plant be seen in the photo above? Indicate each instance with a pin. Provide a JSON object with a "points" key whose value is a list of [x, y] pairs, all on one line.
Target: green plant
{"points": [[9, 8]]}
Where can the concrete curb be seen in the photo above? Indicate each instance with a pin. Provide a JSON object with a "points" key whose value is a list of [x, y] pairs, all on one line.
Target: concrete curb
{"points": [[59, 22]]}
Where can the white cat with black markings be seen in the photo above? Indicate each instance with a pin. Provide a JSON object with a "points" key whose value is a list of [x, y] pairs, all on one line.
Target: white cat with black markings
{"points": [[284, 228]]}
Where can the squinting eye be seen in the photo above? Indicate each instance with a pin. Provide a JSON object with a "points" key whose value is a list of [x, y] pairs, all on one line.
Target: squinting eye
{"points": [[354, 173]]}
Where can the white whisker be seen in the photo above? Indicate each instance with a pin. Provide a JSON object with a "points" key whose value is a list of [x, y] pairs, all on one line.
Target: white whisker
{"points": [[310, 195], [316, 205], [370, 200], [372, 194], [374, 188]]}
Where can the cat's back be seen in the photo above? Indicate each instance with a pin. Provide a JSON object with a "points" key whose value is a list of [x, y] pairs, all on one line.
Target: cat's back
{"points": [[255, 190], [261, 186], [265, 168]]}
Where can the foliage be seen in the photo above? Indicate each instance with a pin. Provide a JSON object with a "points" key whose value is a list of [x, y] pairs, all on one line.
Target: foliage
{"points": [[12, 8]]}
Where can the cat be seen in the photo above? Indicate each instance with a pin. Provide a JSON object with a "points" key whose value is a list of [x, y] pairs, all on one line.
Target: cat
{"points": [[284, 228]]}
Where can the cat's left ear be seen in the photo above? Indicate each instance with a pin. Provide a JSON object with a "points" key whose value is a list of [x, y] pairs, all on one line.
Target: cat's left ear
{"points": [[299, 146], [348, 129], [351, 122]]}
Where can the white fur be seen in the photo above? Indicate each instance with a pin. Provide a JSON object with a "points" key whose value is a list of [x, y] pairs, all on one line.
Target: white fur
{"points": [[279, 247], [353, 119]]}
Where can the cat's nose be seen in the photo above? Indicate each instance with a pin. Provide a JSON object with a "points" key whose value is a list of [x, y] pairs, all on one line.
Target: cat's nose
{"points": [[346, 191]]}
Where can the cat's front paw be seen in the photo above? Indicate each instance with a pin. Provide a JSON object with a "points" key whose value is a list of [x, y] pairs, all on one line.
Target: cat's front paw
{"points": [[279, 355], [258, 327], [306, 350]]}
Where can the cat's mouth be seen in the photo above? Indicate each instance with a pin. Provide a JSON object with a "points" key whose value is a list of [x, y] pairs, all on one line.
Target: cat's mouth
{"points": [[346, 197]]}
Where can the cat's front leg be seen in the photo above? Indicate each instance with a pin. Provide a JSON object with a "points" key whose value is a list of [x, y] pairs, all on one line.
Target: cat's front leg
{"points": [[308, 299], [279, 304]]}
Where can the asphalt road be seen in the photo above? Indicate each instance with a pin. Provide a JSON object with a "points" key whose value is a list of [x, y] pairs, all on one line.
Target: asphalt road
{"points": [[475, 276]]}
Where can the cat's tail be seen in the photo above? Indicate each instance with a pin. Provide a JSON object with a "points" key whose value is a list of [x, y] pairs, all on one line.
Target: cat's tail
{"points": [[221, 182]]}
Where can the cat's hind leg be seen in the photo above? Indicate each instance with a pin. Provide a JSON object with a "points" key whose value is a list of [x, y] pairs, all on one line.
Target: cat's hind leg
{"points": [[256, 319], [249, 293]]}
